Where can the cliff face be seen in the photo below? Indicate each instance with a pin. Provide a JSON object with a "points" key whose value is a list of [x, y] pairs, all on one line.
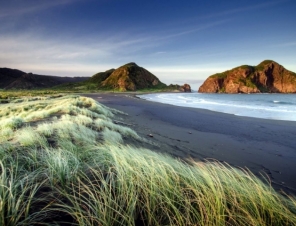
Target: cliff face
{"points": [[131, 77], [266, 77]]}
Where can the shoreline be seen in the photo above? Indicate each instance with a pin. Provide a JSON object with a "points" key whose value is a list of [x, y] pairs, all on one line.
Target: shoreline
{"points": [[231, 106], [261, 145]]}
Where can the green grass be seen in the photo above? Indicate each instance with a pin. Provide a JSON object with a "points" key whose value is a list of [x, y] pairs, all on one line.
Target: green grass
{"points": [[70, 165], [220, 75], [26, 94], [222, 90], [247, 82], [17, 196], [261, 66]]}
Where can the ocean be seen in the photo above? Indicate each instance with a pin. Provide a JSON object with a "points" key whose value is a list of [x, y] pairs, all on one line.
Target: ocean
{"points": [[267, 106]]}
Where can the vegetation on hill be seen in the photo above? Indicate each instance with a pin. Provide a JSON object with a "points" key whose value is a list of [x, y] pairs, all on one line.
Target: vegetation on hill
{"points": [[92, 83], [220, 75], [65, 162], [260, 67], [100, 77]]}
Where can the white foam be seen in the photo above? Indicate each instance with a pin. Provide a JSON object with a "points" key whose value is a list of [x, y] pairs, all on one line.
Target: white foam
{"points": [[272, 106]]}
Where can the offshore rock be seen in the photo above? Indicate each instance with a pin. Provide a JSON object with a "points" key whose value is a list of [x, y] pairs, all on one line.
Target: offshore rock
{"points": [[185, 88], [177, 88]]}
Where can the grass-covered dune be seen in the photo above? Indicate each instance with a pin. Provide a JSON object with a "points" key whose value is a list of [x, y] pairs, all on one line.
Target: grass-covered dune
{"points": [[63, 161]]}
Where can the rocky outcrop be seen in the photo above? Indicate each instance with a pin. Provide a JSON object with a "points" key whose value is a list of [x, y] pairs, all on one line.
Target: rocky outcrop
{"points": [[15, 79], [131, 77], [185, 88], [266, 77]]}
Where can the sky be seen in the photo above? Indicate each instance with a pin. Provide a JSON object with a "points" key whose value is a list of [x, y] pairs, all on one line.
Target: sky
{"points": [[178, 41]]}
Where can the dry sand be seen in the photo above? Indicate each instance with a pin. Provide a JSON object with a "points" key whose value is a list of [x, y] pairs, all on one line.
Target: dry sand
{"points": [[263, 146]]}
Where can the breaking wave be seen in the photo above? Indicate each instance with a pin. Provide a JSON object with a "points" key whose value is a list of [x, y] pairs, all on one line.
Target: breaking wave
{"points": [[270, 106]]}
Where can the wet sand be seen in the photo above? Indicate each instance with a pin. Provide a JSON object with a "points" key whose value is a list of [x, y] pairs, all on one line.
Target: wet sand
{"points": [[264, 146]]}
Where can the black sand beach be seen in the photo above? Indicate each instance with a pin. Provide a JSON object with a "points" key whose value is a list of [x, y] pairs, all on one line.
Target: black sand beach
{"points": [[263, 146]]}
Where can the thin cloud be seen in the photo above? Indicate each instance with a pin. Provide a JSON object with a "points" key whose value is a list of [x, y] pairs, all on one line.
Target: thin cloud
{"points": [[190, 81], [183, 69], [32, 7], [39, 50], [287, 44], [192, 30], [243, 9]]}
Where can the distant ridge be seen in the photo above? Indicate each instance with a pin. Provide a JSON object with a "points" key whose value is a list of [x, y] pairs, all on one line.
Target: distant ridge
{"points": [[16, 79], [129, 77], [266, 77]]}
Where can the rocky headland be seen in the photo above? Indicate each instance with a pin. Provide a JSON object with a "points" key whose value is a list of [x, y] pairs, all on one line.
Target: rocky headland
{"points": [[266, 77]]}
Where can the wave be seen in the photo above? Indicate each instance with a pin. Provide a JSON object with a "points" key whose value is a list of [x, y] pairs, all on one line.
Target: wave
{"points": [[283, 102], [260, 106]]}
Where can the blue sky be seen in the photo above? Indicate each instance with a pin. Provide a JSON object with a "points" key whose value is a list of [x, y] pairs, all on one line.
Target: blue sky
{"points": [[178, 41]]}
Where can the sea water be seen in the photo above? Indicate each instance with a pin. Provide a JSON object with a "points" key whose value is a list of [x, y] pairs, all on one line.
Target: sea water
{"points": [[268, 106]]}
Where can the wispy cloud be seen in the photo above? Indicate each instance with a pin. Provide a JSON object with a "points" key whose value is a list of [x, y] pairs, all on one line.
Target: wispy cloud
{"points": [[286, 44], [184, 69], [29, 51], [248, 8], [28, 7], [192, 30], [190, 81], [89, 52]]}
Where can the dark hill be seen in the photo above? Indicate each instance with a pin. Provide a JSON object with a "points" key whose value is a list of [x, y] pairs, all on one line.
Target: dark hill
{"points": [[15, 79], [8, 76], [266, 77], [131, 77]]}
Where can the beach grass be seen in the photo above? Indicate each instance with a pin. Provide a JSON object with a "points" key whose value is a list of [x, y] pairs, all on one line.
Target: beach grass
{"points": [[65, 162]]}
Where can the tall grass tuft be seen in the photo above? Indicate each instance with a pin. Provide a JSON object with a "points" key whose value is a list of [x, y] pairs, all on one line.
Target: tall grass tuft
{"points": [[62, 166], [28, 137], [17, 198], [12, 123], [112, 137], [144, 187]]}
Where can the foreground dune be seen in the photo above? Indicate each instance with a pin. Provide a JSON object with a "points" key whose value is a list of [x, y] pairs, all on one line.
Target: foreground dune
{"points": [[65, 162]]}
